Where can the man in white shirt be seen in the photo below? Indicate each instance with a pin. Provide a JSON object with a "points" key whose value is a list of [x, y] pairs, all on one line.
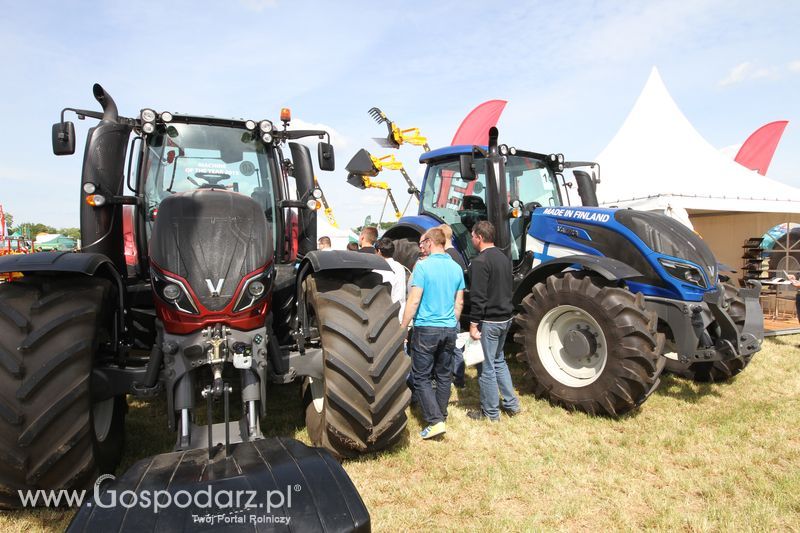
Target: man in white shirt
{"points": [[397, 277]]}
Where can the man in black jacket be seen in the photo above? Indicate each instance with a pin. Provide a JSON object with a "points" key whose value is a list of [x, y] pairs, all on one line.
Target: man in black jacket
{"points": [[490, 319]]}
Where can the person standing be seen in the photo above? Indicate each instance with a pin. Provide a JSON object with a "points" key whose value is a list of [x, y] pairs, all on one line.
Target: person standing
{"points": [[449, 249], [458, 356], [367, 238], [490, 320], [397, 277], [434, 304]]}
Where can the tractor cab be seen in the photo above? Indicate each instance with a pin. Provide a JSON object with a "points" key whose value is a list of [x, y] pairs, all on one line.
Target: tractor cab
{"points": [[183, 157], [461, 201]]}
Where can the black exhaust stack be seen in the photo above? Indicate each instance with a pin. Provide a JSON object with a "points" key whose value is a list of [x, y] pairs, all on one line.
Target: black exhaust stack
{"points": [[303, 172], [497, 194], [587, 188], [103, 168], [110, 112]]}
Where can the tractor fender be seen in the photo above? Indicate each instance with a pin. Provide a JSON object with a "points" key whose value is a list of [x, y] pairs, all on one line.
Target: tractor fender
{"points": [[341, 260], [608, 268], [413, 226], [77, 263]]}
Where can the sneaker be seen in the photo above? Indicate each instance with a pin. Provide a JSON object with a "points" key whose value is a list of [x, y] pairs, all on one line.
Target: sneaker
{"points": [[478, 415], [434, 430]]}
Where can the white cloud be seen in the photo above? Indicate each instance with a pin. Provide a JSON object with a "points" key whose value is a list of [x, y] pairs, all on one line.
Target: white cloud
{"points": [[749, 71], [338, 139], [794, 66]]}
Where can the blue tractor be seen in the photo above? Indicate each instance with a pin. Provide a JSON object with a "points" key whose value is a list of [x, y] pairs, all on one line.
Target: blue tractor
{"points": [[606, 298]]}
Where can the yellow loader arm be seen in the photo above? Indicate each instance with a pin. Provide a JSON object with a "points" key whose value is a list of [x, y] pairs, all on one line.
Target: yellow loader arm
{"points": [[398, 136]]}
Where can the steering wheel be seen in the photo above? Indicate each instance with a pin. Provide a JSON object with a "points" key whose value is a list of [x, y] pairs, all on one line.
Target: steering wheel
{"points": [[211, 178]]}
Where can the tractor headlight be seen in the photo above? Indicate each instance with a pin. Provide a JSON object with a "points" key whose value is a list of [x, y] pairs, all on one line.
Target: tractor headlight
{"points": [[512, 151], [89, 188], [266, 137], [256, 289], [166, 116], [250, 125], [148, 127], [316, 193], [265, 126], [684, 272], [503, 149], [148, 115], [171, 291]]}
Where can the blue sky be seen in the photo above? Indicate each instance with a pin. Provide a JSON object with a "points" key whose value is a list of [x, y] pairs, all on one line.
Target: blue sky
{"points": [[570, 71]]}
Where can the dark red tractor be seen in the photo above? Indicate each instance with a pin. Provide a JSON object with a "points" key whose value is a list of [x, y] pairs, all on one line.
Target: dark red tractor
{"points": [[224, 296]]}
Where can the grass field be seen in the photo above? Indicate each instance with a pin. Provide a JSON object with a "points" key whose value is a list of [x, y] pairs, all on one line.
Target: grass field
{"points": [[722, 457]]}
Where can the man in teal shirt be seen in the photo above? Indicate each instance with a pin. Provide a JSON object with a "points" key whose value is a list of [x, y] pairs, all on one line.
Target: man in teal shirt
{"points": [[434, 304]]}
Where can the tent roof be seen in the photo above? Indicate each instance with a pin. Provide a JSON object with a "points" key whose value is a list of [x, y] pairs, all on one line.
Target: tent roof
{"points": [[657, 160]]}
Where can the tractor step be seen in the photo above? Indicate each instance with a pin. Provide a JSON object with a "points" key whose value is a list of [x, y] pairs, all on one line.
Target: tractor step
{"points": [[273, 484]]}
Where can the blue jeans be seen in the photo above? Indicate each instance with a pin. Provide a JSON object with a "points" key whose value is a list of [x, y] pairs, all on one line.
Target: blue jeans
{"points": [[432, 357], [493, 373]]}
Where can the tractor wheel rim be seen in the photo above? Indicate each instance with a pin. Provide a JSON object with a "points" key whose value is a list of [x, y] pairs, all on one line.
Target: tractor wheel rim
{"points": [[102, 417], [572, 346], [317, 394]]}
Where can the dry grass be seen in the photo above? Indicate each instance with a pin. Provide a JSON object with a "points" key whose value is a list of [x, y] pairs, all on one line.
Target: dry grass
{"points": [[694, 457]]}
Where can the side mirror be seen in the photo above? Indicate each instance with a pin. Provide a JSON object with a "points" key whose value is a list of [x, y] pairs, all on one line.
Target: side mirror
{"points": [[466, 165], [325, 157], [63, 138]]}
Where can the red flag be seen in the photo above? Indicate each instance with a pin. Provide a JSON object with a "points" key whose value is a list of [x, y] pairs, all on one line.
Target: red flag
{"points": [[475, 128], [757, 151]]}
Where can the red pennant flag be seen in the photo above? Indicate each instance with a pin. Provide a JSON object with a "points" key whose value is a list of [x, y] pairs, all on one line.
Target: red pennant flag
{"points": [[757, 151]]}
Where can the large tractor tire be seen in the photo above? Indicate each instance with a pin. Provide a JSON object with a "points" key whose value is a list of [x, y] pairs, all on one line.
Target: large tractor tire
{"points": [[52, 436], [717, 371], [589, 348], [360, 404]]}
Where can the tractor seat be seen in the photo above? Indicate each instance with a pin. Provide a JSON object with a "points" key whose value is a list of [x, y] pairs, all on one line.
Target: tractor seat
{"points": [[473, 203]]}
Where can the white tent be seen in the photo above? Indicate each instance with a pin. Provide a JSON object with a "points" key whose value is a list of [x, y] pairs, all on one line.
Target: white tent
{"points": [[657, 161]]}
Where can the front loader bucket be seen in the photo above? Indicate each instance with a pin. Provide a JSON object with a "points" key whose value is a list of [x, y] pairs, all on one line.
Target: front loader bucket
{"points": [[266, 485]]}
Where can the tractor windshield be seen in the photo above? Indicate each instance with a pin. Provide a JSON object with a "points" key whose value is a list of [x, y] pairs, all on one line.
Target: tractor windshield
{"points": [[186, 157], [461, 203]]}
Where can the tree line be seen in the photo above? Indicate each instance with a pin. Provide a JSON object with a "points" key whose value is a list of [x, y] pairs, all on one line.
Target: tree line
{"points": [[31, 229]]}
